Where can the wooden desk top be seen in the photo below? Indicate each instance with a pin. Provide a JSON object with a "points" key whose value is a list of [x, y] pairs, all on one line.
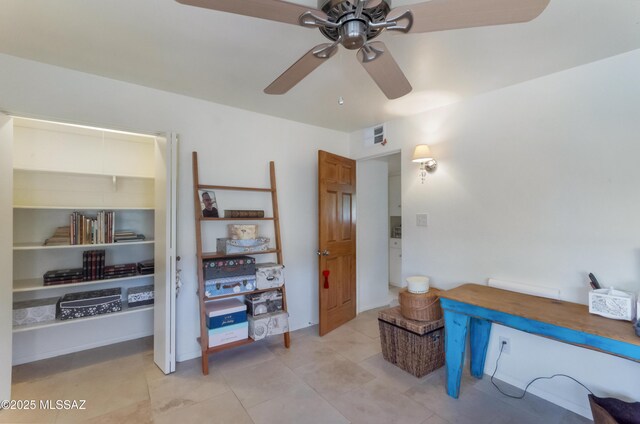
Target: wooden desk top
{"points": [[556, 312]]}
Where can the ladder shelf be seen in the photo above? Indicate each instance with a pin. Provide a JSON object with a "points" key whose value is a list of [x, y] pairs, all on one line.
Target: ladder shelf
{"points": [[203, 340]]}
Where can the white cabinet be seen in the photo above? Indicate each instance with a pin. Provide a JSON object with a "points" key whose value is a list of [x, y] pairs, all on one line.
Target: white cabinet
{"points": [[59, 169], [395, 196], [395, 262]]}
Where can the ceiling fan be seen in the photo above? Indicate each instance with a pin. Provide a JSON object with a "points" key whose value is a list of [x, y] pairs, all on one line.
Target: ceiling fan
{"points": [[354, 23]]}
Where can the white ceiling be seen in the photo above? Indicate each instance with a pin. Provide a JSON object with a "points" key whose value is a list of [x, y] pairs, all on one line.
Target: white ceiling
{"points": [[229, 59]]}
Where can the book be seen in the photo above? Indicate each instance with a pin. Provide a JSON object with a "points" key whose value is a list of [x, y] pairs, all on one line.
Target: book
{"points": [[243, 213]]}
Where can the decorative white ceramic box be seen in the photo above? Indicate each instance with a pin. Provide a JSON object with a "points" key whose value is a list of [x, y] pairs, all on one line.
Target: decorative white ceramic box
{"points": [[611, 303], [243, 231], [30, 311], [268, 325], [269, 275]]}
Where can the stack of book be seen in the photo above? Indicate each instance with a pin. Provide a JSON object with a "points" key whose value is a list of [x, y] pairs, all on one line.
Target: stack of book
{"points": [[89, 230], [145, 267], [120, 271], [93, 266], [123, 236], [63, 276], [60, 237]]}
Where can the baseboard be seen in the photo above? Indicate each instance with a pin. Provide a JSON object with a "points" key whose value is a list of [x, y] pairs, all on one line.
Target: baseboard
{"points": [[548, 396], [372, 306], [52, 353]]}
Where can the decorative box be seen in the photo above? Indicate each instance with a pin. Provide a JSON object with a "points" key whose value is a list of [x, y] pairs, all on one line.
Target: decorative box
{"points": [[85, 304], [263, 303], [269, 275], [243, 231], [268, 325], [414, 346], [30, 311], [227, 246], [225, 312], [228, 334], [610, 303], [139, 296], [229, 267], [230, 285]]}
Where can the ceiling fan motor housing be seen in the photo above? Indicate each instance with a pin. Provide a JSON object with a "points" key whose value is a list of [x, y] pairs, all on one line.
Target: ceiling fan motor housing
{"points": [[354, 32]]}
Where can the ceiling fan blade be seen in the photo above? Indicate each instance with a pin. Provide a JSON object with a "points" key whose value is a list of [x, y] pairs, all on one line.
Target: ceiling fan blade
{"points": [[273, 10], [384, 70], [439, 15], [303, 67]]}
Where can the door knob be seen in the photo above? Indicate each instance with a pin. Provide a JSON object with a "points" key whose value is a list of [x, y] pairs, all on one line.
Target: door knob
{"points": [[325, 252]]}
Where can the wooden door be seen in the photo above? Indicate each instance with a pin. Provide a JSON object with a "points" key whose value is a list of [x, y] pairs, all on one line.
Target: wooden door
{"points": [[6, 253], [164, 314], [337, 240]]}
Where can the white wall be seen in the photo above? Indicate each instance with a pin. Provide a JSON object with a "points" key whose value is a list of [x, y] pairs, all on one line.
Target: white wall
{"points": [[234, 147], [536, 183], [372, 234]]}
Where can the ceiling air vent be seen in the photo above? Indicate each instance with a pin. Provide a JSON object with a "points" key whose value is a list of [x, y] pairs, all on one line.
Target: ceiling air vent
{"points": [[374, 135]]}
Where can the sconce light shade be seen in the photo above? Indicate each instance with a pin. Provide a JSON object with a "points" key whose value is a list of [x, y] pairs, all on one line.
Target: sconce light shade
{"points": [[422, 153]]}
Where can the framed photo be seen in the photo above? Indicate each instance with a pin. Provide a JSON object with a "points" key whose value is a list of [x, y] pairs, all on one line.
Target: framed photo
{"points": [[208, 204]]}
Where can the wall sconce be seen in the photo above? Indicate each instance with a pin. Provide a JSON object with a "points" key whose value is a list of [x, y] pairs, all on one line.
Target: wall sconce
{"points": [[422, 155]]}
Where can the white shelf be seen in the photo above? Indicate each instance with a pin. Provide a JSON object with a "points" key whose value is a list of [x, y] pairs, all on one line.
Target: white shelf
{"points": [[89, 174], [39, 325], [37, 284], [84, 208], [39, 246]]}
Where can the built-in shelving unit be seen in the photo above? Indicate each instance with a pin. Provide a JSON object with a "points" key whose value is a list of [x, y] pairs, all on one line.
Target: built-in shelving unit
{"points": [[59, 169]]}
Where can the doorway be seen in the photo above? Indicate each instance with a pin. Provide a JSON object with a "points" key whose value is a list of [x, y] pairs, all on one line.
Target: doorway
{"points": [[379, 218]]}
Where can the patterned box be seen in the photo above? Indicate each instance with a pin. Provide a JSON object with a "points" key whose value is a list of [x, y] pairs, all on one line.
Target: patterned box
{"points": [[243, 231], [230, 285], [30, 311], [229, 267], [263, 303], [268, 325], [85, 304], [269, 275], [139, 296], [227, 246]]}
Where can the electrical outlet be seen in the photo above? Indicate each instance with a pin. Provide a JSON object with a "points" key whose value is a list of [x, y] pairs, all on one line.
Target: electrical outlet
{"points": [[506, 349]]}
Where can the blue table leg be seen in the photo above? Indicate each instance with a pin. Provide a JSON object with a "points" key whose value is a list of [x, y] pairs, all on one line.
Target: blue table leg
{"points": [[454, 344], [479, 341]]}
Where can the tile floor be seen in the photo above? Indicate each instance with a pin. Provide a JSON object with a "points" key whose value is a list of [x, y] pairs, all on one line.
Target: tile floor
{"points": [[339, 378]]}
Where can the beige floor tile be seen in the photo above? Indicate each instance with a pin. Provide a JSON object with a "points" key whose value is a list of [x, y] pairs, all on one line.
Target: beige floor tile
{"points": [[367, 324], [239, 357], [106, 387], [303, 406], [187, 386], [390, 374], [306, 350], [15, 416], [375, 403], [41, 369], [138, 413], [51, 387], [435, 419], [129, 349], [221, 409], [334, 374], [259, 383], [351, 344]]}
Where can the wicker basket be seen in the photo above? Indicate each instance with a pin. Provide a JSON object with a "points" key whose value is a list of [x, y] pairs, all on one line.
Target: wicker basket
{"points": [[422, 306], [416, 347]]}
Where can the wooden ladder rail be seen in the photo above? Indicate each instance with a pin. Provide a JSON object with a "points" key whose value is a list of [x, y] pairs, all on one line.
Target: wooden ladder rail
{"points": [[204, 332]]}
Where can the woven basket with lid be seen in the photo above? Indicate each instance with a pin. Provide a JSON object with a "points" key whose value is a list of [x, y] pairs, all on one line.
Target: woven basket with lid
{"points": [[421, 306]]}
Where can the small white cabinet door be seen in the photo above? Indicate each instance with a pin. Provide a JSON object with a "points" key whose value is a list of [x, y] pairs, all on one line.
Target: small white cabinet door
{"points": [[395, 267], [395, 196], [164, 317], [6, 253]]}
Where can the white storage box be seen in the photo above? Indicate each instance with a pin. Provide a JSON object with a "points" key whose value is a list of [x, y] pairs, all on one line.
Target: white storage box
{"points": [[268, 325], [228, 334], [30, 311], [243, 231], [226, 312], [269, 275], [610, 303]]}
